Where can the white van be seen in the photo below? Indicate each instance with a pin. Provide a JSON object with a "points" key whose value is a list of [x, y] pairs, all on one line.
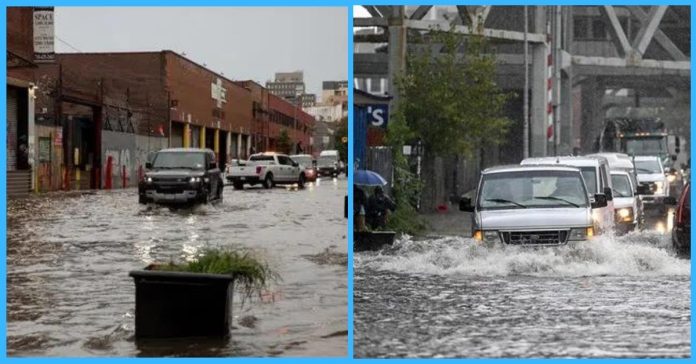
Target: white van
{"points": [[329, 163], [595, 171]]}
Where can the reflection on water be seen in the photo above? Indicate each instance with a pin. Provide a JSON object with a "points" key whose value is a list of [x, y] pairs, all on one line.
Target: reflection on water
{"points": [[69, 293]]}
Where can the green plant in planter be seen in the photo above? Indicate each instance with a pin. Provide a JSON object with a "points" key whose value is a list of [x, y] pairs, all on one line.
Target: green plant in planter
{"points": [[252, 276]]}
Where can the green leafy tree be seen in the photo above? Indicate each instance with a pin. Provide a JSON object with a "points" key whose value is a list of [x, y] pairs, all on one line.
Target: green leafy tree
{"points": [[341, 139], [284, 143], [452, 101]]}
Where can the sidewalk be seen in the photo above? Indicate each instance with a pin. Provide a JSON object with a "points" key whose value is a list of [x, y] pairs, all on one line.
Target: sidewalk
{"points": [[450, 222]]}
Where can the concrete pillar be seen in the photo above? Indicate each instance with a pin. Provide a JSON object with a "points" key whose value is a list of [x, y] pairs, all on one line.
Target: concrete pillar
{"points": [[566, 121], [591, 106], [187, 136], [202, 137], [216, 143], [397, 49], [239, 145], [228, 142], [33, 160]]}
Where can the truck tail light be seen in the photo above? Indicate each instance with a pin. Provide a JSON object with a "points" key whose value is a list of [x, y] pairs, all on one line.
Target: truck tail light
{"points": [[259, 169]]}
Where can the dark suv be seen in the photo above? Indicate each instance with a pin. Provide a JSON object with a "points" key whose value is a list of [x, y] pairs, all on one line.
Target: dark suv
{"points": [[181, 175]]}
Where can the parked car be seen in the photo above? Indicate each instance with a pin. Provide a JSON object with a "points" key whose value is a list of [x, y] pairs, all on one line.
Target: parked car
{"points": [[329, 163], [539, 205], [595, 171], [681, 230], [181, 175], [651, 174], [305, 160], [267, 169], [627, 206]]}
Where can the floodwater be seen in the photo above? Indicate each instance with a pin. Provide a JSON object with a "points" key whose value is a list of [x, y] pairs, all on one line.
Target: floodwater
{"points": [[448, 297], [68, 258]]}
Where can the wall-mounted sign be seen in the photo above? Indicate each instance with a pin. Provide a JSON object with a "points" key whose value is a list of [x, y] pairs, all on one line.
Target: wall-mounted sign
{"points": [[378, 115], [44, 149], [43, 35]]}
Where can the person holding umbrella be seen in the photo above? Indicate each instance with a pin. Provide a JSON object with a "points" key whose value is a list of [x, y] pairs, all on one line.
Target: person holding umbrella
{"points": [[378, 207]]}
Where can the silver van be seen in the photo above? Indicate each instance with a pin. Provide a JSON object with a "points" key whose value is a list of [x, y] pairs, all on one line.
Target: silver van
{"points": [[537, 205]]}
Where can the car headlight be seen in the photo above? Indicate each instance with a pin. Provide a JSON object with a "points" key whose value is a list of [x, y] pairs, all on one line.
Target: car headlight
{"points": [[581, 233], [148, 179], [671, 178], [490, 236], [624, 214], [195, 179], [658, 186]]}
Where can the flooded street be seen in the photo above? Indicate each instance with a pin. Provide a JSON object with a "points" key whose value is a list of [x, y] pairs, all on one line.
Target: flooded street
{"points": [[447, 297], [68, 258]]}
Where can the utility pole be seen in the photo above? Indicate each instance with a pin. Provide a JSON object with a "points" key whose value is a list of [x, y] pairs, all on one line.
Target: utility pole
{"points": [[525, 97]]}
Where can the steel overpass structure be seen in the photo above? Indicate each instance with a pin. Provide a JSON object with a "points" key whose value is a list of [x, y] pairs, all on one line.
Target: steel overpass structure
{"points": [[584, 62]]}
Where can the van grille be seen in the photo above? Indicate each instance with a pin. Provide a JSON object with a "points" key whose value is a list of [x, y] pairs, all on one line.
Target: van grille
{"points": [[547, 237]]}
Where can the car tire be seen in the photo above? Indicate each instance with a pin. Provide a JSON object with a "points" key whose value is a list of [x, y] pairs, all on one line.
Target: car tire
{"points": [[237, 185], [301, 181], [268, 181]]}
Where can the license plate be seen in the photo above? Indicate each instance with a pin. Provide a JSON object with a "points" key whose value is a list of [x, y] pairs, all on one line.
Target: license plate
{"points": [[243, 178]]}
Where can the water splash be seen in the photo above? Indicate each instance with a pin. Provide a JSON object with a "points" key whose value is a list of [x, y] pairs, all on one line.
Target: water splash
{"points": [[635, 254]]}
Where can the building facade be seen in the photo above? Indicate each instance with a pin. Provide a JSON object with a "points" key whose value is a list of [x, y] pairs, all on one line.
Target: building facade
{"points": [[113, 110], [291, 87], [21, 88]]}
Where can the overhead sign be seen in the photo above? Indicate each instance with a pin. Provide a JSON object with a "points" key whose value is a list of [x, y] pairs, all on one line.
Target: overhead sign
{"points": [[43, 35], [378, 115]]}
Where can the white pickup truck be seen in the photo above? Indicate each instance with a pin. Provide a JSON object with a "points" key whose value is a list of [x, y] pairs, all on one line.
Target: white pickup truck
{"points": [[267, 169]]}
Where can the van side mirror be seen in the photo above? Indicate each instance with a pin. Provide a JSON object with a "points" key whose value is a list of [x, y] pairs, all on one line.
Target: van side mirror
{"points": [[669, 200], [608, 193], [148, 165], [465, 205], [600, 200], [212, 165]]}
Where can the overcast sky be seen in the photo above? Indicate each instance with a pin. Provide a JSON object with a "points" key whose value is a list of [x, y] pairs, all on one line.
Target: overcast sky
{"points": [[242, 43]]}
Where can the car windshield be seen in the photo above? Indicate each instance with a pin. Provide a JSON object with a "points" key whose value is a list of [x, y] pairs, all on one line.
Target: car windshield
{"points": [[648, 166], [173, 160], [261, 158], [646, 146], [326, 160], [525, 189], [622, 185], [589, 174], [305, 161]]}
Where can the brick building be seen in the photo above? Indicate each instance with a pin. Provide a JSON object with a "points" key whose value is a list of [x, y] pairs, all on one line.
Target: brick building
{"points": [[114, 109], [21, 64]]}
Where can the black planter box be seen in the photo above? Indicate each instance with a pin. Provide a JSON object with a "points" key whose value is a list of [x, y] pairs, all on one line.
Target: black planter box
{"points": [[181, 304], [373, 240]]}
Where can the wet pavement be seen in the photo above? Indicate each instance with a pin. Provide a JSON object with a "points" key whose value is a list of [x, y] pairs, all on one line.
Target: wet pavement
{"points": [[68, 258], [449, 297]]}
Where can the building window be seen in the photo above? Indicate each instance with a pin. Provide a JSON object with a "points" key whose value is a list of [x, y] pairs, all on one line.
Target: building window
{"points": [[581, 27], [599, 30]]}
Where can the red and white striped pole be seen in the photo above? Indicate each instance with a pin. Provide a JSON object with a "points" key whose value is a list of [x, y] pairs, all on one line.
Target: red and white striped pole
{"points": [[549, 85]]}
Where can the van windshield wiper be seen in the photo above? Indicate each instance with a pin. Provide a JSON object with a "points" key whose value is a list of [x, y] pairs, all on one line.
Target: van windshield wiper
{"points": [[502, 200], [557, 199]]}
